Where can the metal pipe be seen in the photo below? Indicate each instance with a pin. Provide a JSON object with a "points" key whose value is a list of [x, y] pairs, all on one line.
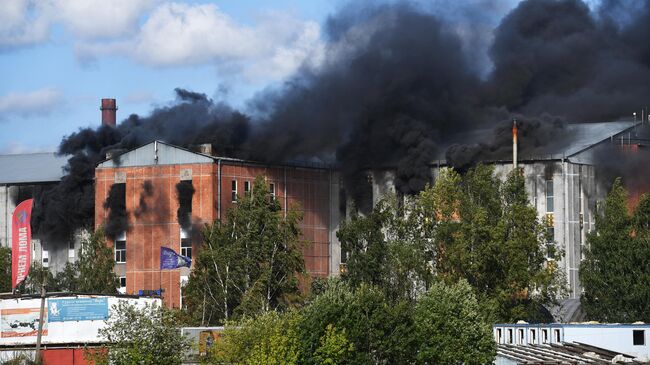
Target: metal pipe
{"points": [[219, 189], [514, 143]]}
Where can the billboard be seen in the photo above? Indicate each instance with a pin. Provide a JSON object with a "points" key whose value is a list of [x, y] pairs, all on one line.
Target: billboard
{"points": [[77, 309], [68, 319], [21, 322]]}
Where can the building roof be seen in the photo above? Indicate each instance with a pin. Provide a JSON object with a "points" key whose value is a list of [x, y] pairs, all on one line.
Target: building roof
{"points": [[31, 168], [564, 353], [577, 138], [163, 153]]}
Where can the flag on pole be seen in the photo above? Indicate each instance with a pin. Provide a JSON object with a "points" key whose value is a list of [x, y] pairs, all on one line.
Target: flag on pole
{"points": [[169, 259], [21, 242]]}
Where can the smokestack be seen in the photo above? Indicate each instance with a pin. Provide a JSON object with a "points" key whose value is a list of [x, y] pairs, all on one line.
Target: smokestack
{"points": [[109, 112], [514, 143]]}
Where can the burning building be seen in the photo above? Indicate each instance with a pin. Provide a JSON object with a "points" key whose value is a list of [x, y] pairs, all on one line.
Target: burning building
{"points": [[564, 182], [161, 195]]}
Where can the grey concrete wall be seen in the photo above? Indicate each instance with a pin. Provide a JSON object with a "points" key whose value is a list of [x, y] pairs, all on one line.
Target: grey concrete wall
{"points": [[575, 195]]}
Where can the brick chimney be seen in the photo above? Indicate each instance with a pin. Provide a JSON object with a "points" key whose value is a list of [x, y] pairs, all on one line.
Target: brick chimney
{"points": [[109, 112]]}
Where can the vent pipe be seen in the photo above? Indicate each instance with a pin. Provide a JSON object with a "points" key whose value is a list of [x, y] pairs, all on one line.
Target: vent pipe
{"points": [[109, 112], [514, 143]]}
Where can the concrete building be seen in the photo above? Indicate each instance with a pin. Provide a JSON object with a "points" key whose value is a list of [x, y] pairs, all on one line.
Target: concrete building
{"points": [[217, 182], [630, 339], [21, 174], [562, 184]]}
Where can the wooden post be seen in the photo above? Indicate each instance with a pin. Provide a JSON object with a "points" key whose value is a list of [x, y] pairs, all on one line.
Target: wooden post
{"points": [[40, 323]]}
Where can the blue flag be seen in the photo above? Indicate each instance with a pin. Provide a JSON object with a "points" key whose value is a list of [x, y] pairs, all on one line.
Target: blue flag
{"points": [[169, 259]]}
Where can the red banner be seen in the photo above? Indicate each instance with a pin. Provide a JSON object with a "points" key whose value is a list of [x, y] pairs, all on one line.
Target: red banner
{"points": [[21, 242]]}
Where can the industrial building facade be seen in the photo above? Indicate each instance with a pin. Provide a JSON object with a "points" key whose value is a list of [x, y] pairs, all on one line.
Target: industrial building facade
{"points": [[561, 184], [150, 174]]}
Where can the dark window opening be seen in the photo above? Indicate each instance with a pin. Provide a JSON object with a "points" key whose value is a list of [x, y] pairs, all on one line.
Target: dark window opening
{"points": [[247, 187], [185, 191], [638, 337], [509, 335], [557, 335], [544, 336], [234, 191], [532, 336], [123, 282], [498, 335], [272, 190]]}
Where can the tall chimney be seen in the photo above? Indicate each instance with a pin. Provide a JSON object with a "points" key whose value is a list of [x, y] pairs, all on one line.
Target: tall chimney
{"points": [[514, 143], [109, 112]]}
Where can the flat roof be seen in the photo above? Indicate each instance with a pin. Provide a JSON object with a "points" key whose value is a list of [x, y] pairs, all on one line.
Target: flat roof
{"points": [[31, 168]]}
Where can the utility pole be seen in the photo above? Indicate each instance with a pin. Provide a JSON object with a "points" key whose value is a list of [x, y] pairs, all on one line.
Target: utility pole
{"points": [[40, 321]]}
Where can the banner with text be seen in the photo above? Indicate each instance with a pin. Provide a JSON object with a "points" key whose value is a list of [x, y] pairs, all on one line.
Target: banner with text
{"points": [[21, 242], [79, 309]]}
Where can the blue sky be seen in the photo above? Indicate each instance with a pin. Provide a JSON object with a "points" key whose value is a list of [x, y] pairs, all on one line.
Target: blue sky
{"points": [[58, 58]]}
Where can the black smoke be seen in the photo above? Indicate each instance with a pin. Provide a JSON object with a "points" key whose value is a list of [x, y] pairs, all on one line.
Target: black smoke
{"points": [[118, 218], [399, 86], [145, 193], [184, 193]]}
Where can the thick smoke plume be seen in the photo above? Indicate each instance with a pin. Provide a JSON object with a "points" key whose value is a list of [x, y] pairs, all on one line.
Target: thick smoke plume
{"points": [[399, 86], [145, 193]]}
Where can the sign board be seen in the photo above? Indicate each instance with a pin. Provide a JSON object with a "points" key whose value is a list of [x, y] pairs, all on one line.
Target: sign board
{"points": [[21, 322], [77, 309]]}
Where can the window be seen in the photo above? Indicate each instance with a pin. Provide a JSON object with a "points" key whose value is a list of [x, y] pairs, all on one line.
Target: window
{"points": [[520, 340], [544, 336], [234, 191], [550, 243], [498, 335], [509, 335], [71, 249], [557, 335], [272, 190], [247, 187], [120, 248], [549, 196], [122, 288], [186, 243], [46, 259], [532, 336], [638, 337]]}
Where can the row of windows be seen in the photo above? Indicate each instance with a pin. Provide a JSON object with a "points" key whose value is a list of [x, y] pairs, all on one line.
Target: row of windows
{"points": [[638, 336], [120, 246], [247, 189]]}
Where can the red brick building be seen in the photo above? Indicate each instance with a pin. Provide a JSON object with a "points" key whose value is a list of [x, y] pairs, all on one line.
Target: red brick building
{"points": [[150, 174]]}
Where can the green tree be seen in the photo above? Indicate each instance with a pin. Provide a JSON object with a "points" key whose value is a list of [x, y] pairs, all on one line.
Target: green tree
{"points": [[379, 332], [615, 274], [474, 227], [146, 335], [269, 339], [249, 262], [95, 266], [387, 249], [5, 270], [450, 328], [334, 349]]}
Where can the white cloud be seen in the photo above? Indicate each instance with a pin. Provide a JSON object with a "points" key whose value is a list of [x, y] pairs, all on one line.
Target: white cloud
{"points": [[181, 34], [26, 22], [157, 33], [19, 25], [37, 102], [96, 18]]}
